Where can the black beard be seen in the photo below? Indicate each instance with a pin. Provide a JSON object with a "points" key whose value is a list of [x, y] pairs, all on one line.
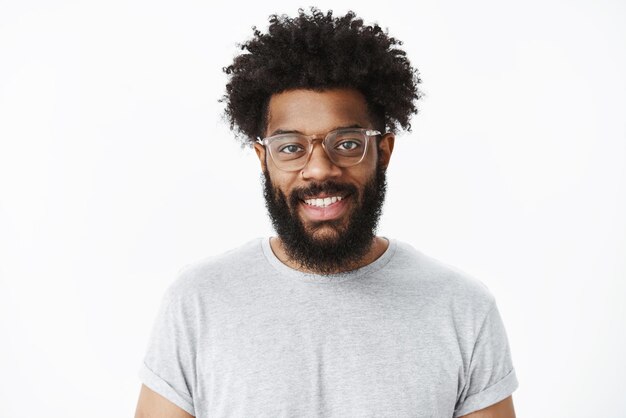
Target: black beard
{"points": [[341, 251]]}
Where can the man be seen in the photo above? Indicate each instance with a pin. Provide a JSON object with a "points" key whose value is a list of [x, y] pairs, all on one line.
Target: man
{"points": [[326, 319]]}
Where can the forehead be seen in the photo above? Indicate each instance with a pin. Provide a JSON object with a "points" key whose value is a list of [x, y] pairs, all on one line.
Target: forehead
{"points": [[312, 112]]}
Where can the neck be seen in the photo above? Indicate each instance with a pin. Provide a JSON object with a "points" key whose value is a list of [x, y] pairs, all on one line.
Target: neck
{"points": [[377, 248]]}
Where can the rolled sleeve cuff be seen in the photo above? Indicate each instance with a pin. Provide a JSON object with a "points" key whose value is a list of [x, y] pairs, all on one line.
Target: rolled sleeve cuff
{"points": [[160, 386], [493, 394]]}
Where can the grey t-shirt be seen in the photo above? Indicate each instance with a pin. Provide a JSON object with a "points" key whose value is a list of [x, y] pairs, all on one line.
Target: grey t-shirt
{"points": [[244, 335]]}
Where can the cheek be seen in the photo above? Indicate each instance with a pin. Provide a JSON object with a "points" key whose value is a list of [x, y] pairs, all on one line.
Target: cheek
{"points": [[366, 169], [372, 153], [281, 180]]}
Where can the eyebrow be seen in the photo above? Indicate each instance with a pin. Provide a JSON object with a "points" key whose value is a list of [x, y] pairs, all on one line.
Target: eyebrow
{"points": [[287, 131]]}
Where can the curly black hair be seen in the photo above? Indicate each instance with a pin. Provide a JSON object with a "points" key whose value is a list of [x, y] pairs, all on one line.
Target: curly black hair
{"points": [[318, 52]]}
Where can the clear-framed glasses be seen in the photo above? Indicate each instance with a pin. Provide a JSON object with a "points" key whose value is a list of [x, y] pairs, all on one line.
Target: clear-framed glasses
{"points": [[344, 147]]}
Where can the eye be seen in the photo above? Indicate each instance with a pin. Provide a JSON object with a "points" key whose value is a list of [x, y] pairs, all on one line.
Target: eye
{"points": [[348, 145], [291, 149]]}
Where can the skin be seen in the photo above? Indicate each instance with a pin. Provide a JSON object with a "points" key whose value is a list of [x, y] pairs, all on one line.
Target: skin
{"points": [[311, 113], [153, 405], [317, 113]]}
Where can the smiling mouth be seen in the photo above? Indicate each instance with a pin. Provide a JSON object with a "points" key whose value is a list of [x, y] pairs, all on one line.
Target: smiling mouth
{"points": [[323, 202], [324, 208]]}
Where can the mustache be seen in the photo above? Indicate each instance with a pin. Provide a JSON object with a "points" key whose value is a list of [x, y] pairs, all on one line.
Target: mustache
{"points": [[329, 187]]}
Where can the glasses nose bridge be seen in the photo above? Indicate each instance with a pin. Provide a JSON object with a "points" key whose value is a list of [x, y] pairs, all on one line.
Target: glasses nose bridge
{"points": [[313, 139], [322, 165]]}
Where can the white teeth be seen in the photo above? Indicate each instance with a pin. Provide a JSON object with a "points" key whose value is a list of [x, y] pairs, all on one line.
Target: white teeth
{"points": [[322, 203]]}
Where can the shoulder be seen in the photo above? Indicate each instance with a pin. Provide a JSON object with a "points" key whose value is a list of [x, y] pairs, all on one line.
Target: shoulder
{"points": [[448, 284], [208, 273]]}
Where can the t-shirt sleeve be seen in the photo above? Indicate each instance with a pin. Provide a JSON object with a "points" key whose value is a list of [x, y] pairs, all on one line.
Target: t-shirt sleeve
{"points": [[168, 365], [491, 376]]}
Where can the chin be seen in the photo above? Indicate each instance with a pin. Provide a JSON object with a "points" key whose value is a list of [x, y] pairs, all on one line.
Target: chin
{"points": [[325, 230], [324, 235]]}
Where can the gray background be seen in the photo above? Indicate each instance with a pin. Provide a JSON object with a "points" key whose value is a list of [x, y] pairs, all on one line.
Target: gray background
{"points": [[116, 171]]}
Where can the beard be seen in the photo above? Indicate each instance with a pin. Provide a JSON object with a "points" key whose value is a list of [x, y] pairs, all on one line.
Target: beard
{"points": [[349, 242]]}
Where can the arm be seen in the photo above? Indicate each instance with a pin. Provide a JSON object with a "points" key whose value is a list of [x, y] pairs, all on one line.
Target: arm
{"points": [[153, 405], [502, 409]]}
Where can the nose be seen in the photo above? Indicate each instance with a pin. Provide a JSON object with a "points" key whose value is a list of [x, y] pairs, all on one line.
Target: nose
{"points": [[319, 167]]}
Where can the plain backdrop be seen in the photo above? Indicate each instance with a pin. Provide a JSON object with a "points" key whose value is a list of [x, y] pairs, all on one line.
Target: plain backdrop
{"points": [[117, 170]]}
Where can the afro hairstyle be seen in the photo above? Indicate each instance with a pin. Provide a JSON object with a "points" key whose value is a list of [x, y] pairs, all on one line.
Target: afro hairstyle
{"points": [[318, 51]]}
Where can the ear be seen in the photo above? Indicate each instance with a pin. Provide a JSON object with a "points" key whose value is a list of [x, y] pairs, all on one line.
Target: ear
{"points": [[260, 153], [385, 148]]}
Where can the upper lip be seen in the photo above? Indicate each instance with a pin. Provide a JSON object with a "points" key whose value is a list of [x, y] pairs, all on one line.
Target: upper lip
{"points": [[325, 195]]}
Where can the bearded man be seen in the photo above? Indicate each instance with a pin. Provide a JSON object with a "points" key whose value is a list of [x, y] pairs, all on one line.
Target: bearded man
{"points": [[326, 319]]}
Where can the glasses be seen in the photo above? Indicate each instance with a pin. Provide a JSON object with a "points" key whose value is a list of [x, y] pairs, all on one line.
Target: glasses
{"points": [[344, 147]]}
